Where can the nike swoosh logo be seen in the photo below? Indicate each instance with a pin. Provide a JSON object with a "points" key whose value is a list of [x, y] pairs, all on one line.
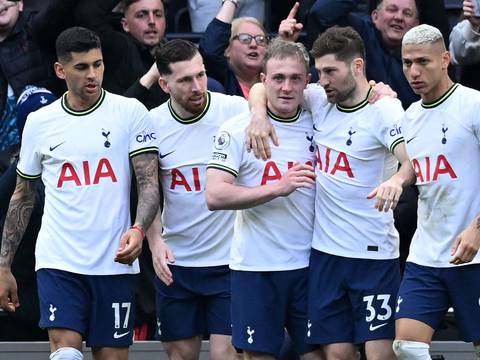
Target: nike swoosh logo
{"points": [[373, 328], [315, 128], [54, 147], [411, 139], [165, 155], [118, 336]]}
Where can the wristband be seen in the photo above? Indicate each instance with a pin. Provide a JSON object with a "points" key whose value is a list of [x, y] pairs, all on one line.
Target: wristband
{"points": [[139, 229]]}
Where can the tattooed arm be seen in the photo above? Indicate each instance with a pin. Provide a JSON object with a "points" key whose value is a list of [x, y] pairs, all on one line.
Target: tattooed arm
{"points": [[18, 216], [146, 171]]}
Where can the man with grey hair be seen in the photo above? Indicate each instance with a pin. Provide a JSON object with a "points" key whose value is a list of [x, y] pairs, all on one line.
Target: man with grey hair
{"points": [[442, 133], [274, 224]]}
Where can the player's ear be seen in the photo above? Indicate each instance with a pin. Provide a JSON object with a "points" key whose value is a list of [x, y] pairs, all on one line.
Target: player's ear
{"points": [[59, 70], [263, 77], [163, 84], [445, 59]]}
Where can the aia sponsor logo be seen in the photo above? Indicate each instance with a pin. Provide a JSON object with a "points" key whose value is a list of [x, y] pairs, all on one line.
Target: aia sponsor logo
{"points": [[86, 173]]}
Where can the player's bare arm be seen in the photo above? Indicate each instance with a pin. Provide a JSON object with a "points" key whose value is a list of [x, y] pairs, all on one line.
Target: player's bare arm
{"points": [[222, 194], [260, 129], [146, 172], [162, 255], [145, 167], [466, 245], [16, 222], [388, 193]]}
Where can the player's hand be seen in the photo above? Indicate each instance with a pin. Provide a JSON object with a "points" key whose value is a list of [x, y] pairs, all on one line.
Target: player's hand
{"points": [[162, 256], [257, 136], [380, 90], [466, 245], [8, 290], [298, 176], [130, 247], [289, 28], [387, 194]]}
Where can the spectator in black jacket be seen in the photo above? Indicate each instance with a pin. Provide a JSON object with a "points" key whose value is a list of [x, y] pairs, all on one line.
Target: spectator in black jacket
{"points": [[128, 55]]}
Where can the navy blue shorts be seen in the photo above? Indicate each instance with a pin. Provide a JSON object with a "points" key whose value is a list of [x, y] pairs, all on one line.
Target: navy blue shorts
{"points": [[196, 303], [351, 300], [99, 307], [426, 293], [264, 304]]}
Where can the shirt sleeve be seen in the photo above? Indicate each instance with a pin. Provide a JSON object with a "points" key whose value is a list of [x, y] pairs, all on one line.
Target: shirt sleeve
{"points": [[143, 137], [30, 164], [228, 148], [389, 123]]}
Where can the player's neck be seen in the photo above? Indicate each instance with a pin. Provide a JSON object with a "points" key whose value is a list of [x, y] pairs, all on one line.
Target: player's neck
{"points": [[438, 91], [78, 103], [184, 113], [358, 95]]}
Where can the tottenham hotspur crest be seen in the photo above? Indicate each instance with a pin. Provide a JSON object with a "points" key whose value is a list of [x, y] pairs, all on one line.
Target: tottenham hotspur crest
{"points": [[105, 135], [52, 310], [250, 335]]}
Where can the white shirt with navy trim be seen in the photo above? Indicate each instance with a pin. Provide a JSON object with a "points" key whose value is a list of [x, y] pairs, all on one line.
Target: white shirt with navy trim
{"points": [[276, 235], [197, 236], [443, 144], [354, 155], [83, 158]]}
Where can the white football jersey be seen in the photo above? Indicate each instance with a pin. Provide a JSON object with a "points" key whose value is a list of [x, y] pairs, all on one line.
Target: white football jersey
{"points": [[443, 144], [197, 236], [83, 158], [354, 155], [276, 235]]}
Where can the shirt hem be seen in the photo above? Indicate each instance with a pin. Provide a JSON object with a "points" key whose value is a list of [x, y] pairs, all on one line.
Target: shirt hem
{"points": [[356, 255], [237, 267], [134, 269]]}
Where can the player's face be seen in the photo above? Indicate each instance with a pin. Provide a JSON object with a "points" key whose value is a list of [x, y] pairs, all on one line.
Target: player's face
{"points": [[187, 84], [394, 18], [9, 12], [83, 74], [145, 21], [425, 66], [246, 57], [336, 77], [284, 81]]}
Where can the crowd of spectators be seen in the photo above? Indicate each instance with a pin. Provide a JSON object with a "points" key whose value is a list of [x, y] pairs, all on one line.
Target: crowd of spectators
{"points": [[232, 37]]}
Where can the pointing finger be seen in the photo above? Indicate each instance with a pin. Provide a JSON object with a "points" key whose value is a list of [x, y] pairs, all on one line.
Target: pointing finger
{"points": [[294, 10]]}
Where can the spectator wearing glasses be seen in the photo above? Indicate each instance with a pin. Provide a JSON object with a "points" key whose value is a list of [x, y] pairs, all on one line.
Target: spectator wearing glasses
{"points": [[233, 50]]}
